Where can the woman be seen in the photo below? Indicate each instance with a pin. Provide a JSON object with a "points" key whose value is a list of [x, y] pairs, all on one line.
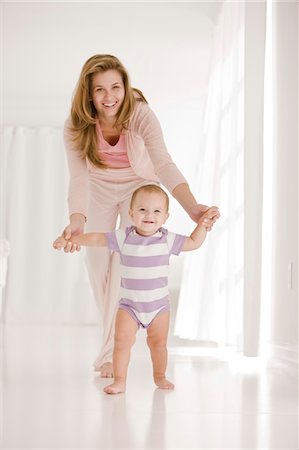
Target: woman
{"points": [[114, 145]]}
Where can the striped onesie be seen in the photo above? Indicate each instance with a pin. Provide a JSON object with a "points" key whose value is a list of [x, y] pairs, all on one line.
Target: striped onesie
{"points": [[144, 267]]}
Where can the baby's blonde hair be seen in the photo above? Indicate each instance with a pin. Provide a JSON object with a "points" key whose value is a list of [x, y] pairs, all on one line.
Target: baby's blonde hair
{"points": [[150, 188]]}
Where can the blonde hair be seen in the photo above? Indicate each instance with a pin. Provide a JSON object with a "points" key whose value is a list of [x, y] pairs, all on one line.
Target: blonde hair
{"points": [[83, 112], [150, 188]]}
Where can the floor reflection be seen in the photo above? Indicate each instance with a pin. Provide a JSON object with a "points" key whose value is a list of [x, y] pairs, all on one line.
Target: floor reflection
{"points": [[51, 399]]}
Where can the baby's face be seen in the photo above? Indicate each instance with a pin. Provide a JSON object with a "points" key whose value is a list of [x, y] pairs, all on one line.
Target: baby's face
{"points": [[149, 212]]}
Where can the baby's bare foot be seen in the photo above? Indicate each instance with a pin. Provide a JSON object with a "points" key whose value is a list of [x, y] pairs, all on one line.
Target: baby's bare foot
{"points": [[163, 383], [115, 388], [106, 370]]}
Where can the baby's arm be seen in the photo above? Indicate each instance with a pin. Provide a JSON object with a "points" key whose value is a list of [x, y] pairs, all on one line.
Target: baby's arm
{"points": [[198, 235], [87, 239], [90, 240]]}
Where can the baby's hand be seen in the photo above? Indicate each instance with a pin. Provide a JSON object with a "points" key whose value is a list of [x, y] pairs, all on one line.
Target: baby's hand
{"points": [[208, 218], [60, 243], [68, 245]]}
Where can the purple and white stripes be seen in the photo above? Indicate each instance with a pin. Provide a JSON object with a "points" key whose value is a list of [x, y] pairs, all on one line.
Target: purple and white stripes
{"points": [[144, 270]]}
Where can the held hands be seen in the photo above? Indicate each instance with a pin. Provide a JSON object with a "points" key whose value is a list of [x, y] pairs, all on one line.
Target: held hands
{"points": [[67, 239], [59, 243], [69, 245], [205, 216], [209, 217]]}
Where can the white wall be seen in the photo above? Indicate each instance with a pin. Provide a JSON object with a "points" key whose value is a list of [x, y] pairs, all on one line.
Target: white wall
{"points": [[284, 331], [164, 46]]}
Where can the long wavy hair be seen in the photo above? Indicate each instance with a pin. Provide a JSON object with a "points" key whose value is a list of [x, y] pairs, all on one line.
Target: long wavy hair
{"points": [[83, 112]]}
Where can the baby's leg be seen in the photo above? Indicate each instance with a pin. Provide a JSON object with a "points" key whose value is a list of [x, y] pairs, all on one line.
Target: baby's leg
{"points": [[157, 334], [125, 334]]}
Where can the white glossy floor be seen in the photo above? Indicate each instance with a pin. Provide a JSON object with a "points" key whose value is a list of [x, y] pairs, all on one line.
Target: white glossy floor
{"points": [[51, 398]]}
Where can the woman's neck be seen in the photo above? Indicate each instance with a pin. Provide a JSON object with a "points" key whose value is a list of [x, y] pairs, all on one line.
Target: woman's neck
{"points": [[107, 124]]}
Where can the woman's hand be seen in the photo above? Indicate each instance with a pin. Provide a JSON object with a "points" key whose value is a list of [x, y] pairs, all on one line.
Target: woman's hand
{"points": [[199, 210], [75, 227]]}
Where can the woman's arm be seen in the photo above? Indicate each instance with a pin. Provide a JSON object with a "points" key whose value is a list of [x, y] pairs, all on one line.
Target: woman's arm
{"points": [[147, 125], [78, 184], [184, 196], [78, 188]]}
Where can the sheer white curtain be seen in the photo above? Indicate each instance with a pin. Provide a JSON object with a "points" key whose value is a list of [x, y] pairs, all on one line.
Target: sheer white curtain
{"points": [[211, 297], [42, 285]]}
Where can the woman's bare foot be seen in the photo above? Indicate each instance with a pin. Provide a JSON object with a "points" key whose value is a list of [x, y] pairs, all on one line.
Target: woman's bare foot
{"points": [[118, 387], [163, 383], [106, 370]]}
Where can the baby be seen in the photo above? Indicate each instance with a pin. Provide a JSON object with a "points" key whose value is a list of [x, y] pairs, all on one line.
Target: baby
{"points": [[144, 250]]}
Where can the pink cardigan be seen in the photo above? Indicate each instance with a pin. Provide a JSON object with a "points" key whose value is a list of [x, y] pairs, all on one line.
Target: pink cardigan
{"points": [[147, 154]]}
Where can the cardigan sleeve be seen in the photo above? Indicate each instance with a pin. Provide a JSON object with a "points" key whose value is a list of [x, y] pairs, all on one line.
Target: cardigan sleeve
{"points": [[78, 182], [149, 128]]}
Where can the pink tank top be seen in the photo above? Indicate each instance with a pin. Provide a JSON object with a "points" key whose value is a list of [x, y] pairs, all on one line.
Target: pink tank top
{"points": [[114, 156]]}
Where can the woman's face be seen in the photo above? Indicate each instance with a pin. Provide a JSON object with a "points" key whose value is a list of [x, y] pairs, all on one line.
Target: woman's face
{"points": [[107, 93]]}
